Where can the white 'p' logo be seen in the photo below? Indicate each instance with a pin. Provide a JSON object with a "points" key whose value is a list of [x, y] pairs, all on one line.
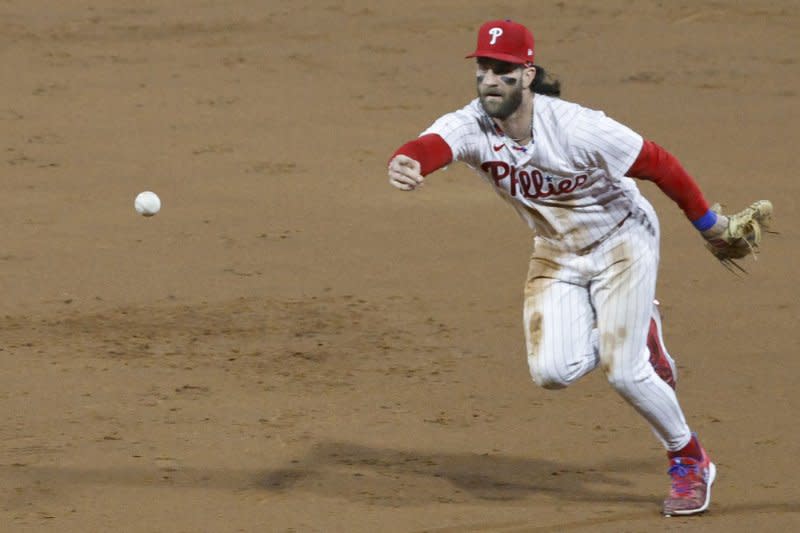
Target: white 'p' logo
{"points": [[495, 33]]}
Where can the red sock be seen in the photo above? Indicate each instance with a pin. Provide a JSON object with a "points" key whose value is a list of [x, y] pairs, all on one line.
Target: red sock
{"points": [[693, 450]]}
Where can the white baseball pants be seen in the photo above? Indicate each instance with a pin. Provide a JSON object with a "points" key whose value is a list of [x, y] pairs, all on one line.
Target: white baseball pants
{"points": [[610, 287]]}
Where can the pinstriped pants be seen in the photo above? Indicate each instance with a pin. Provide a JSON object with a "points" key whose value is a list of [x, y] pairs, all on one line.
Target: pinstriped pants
{"points": [[594, 308]]}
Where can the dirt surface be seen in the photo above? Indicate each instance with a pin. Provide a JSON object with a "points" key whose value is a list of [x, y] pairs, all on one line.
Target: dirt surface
{"points": [[292, 344]]}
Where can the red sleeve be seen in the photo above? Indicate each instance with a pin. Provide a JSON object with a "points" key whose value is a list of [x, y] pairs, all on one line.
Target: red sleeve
{"points": [[662, 168], [430, 150]]}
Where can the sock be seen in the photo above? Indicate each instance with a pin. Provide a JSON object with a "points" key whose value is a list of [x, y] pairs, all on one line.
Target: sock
{"points": [[693, 450]]}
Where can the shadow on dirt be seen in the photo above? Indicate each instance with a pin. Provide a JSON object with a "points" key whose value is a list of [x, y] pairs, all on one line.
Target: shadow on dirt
{"points": [[395, 478], [408, 477]]}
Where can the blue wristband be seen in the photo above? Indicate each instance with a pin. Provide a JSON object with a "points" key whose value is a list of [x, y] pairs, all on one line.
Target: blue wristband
{"points": [[706, 221]]}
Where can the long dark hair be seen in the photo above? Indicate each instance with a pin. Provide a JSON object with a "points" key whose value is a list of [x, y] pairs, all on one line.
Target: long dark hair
{"points": [[544, 84]]}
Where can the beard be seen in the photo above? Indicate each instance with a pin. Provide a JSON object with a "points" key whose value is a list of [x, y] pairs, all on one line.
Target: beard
{"points": [[505, 107]]}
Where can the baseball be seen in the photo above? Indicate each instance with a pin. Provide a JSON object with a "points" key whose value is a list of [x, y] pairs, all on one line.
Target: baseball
{"points": [[147, 203]]}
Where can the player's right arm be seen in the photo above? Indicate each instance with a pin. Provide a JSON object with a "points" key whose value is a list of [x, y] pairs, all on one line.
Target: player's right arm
{"points": [[416, 159]]}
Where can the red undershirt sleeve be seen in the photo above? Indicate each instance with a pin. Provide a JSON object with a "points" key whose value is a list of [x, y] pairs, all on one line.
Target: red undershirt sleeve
{"points": [[430, 150], [662, 168]]}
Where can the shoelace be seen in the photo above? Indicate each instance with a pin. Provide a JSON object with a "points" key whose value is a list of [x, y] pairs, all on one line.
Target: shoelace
{"points": [[684, 478]]}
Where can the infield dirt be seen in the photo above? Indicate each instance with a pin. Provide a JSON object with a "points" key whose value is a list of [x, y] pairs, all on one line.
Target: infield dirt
{"points": [[293, 345]]}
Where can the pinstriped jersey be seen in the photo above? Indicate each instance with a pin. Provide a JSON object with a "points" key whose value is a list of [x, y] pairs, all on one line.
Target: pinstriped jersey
{"points": [[568, 184]]}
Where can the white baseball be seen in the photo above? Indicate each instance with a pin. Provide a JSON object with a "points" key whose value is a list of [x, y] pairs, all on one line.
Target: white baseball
{"points": [[147, 203]]}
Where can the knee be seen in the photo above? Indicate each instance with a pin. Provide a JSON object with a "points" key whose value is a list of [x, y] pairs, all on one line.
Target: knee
{"points": [[546, 377]]}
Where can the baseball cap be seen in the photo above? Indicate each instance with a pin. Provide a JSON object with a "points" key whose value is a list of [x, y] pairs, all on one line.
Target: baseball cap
{"points": [[505, 40]]}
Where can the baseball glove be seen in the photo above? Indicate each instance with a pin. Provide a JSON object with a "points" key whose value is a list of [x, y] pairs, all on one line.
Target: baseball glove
{"points": [[739, 235]]}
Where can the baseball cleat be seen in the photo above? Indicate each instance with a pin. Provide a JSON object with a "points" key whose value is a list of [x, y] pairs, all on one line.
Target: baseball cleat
{"points": [[660, 360], [691, 485]]}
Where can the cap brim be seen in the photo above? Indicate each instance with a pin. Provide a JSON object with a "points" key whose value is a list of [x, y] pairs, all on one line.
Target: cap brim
{"points": [[500, 57]]}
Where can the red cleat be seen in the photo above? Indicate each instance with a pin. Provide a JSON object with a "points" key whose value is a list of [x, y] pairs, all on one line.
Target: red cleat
{"points": [[691, 485]]}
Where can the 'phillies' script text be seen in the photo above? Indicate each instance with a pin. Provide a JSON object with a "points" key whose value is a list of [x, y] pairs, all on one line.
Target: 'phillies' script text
{"points": [[531, 184]]}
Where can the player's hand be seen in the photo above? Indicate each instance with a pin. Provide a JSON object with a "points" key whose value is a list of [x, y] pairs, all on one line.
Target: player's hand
{"points": [[404, 173]]}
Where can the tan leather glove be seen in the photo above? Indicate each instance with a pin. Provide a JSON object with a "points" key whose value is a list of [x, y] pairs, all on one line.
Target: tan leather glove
{"points": [[738, 235]]}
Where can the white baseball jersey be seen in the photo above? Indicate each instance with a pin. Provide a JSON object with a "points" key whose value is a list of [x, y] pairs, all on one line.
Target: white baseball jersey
{"points": [[569, 183]]}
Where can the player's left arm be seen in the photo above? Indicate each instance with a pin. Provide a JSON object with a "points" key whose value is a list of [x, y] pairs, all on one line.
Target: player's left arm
{"points": [[599, 141], [656, 164], [727, 237]]}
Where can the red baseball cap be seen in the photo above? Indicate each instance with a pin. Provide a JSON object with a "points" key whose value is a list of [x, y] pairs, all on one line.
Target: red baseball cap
{"points": [[505, 40]]}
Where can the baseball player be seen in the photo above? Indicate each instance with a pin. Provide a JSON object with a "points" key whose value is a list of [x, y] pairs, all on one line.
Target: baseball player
{"points": [[589, 296]]}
